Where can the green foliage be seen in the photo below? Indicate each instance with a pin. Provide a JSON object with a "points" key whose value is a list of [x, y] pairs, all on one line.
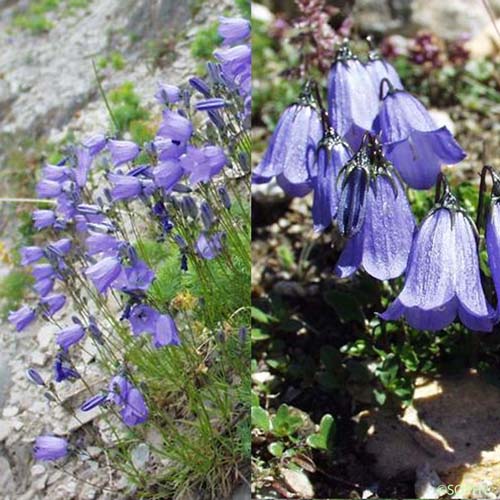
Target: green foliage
{"points": [[126, 107], [33, 19], [244, 7], [13, 288], [115, 59], [205, 42]]}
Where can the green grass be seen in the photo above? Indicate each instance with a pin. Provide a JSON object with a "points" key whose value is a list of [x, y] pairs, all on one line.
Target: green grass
{"points": [[205, 42], [13, 288], [126, 107]]}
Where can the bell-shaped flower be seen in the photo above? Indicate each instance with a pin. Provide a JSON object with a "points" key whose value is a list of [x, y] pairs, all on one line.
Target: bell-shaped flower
{"points": [[124, 394], [166, 332], [443, 278], [125, 187], [31, 254], [53, 303], [380, 69], [209, 247], [167, 174], [290, 155], [70, 336], [168, 94], [333, 153], [104, 272], [413, 142], [22, 317], [50, 448], [48, 189], [353, 101], [43, 218], [101, 243], [63, 369], [203, 164], [122, 151], [95, 144], [233, 30], [175, 126], [143, 319], [383, 244]]}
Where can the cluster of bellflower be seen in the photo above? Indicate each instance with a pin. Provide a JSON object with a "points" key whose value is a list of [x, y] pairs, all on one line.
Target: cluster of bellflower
{"points": [[105, 189], [357, 157]]}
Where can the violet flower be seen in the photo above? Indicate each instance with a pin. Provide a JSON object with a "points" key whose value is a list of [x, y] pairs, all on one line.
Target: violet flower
{"points": [[43, 218], [333, 153], [443, 278], [209, 247], [167, 174], [353, 101], [83, 163], [233, 30], [175, 126], [44, 286], [94, 401], [97, 243], [168, 94], [166, 332], [413, 142], [95, 144], [210, 104], [380, 69], [104, 272], [383, 244], [63, 370], [291, 151], [70, 336], [48, 189], [133, 407], [35, 377], [31, 254], [22, 317], [53, 303], [143, 319], [50, 448], [125, 187], [122, 151], [203, 164]]}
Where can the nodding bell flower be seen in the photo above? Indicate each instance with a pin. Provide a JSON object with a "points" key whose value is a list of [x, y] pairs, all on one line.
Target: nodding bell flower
{"points": [[291, 152], [331, 155], [123, 393], [122, 151], [380, 69], [493, 233], [233, 30], [383, 244], [50, 448], [443, 279], [354, 177], [22, 317], [353, 101], [412, 140]]}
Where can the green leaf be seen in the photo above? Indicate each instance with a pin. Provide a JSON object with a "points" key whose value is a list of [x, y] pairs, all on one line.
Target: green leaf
{"points": [[276, 449], [285, 423], [323, 439], [345, 305], [261, 316], [260, 419], [259, 335], [380, 397]]}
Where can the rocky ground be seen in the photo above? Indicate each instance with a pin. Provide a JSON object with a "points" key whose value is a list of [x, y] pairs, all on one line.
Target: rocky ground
{"points": [[47, 89]]}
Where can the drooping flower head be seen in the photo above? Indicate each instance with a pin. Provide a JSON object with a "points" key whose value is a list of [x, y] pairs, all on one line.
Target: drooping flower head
{"points": [[22, 317], [353, 101], [383, 243], [290, 155], [412, 140], [380, 69], [443, 278], [333, 153], [123, 393], [50, 448]]}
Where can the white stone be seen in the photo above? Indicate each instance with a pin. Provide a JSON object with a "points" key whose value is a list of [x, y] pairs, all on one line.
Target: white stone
{"points": [[10, 411]]}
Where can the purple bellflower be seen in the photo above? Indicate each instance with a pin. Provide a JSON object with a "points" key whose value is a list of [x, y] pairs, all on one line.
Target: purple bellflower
{"points": [[209, 247], [412, 141], [53, 303], [203, 164], [143, 319], [380, 69], [133, 407], [353, 101], [48, 189], [333, 153], [175, 126], [168, 94], [125, 187], [70, 336], [443, 278], [167, 174], [95, 144], [166, 332], [291, 152], [43, 218], [104, 272], [383, 244], [22, 317], [31, 254], [50, 448], [63, 369], [233, 30], [122, 151]]}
